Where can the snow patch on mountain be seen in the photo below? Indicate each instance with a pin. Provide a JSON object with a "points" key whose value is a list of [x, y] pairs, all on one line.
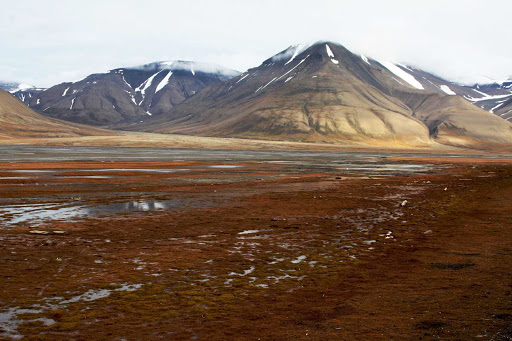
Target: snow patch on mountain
{"points": [[365, 60], [447, 90], [290, 53], [330, 54], [496, 107], [164, 82], [147, 83], [293, 68], [485, 97], [402, 74], [242, 78]]}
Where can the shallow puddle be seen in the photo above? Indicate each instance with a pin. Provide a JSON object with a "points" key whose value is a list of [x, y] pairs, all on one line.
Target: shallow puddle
{"points": [[11, 215]]}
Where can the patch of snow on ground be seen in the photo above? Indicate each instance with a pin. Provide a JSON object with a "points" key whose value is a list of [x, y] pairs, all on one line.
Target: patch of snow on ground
{"points": [[245, 273], [299, 259], [485, 96], [496, 107], [295, 53], [163, 82], [330, 54], [293, 68], [147, 83], [132, 98], [126, 82], [447, 90], [329, 51], [72, 103], [365, 60], [263, 87], [249, 231], [402, 74], [65, 92], [241, 79]]}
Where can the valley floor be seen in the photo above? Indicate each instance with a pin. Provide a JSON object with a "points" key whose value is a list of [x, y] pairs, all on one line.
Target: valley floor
{"points": [[105, 243]]}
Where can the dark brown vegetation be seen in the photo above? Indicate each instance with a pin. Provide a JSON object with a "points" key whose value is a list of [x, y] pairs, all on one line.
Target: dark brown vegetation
{"points": [[438, 268]]}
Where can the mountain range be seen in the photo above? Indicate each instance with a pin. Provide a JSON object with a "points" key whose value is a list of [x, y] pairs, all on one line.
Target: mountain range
{"points": [[125, 94], [319, 92], [324, 92]]}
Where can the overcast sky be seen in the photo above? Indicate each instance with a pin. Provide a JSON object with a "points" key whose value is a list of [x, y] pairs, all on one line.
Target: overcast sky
{"points": [[46, 42]]}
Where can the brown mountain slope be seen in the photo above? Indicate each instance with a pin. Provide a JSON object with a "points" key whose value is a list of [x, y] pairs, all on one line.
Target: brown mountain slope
{"points": [[326, 93], [127, 94], [455, 121], [17, 120]]}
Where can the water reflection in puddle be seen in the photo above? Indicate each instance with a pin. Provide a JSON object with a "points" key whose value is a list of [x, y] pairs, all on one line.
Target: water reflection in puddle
{"points": [[11, 215]]}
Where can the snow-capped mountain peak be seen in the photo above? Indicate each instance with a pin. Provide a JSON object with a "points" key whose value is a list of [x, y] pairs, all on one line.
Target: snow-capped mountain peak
{"points": [[289, 54]]}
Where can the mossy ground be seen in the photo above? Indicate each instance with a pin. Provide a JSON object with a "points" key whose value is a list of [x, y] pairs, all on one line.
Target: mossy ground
{"points": [[324, 258]]}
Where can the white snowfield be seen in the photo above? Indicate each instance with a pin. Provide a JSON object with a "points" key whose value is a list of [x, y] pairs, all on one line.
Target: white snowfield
{"points": [[365, 60], [447, 90], [485, 96], [330, 54], [164, 82], [403, 75], [147, 83]]}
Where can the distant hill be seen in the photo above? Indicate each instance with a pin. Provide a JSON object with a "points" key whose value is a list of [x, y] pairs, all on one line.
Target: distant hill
{"points": [[17, 120]]}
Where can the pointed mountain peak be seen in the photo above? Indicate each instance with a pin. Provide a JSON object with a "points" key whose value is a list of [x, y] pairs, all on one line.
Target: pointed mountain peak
{"points": [[328, 50]]}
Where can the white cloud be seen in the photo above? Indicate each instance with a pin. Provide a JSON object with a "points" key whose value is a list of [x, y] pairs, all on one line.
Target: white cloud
{"points": [[43, 42]]}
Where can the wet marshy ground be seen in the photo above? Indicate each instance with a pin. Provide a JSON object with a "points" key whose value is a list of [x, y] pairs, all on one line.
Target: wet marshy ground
{"points": [[150, 244]]}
